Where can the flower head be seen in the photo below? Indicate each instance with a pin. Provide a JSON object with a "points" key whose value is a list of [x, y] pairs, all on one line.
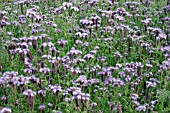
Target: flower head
{"points": [[29, 92], [5, 110]]}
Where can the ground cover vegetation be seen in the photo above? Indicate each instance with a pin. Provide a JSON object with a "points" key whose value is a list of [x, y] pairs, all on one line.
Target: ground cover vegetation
{"points": [[84, 56]]}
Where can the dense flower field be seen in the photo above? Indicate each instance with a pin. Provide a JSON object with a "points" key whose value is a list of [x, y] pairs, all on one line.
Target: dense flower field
{"points": [[84, 56]]}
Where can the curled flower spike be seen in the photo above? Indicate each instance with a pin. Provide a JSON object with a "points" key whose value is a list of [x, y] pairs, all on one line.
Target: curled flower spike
{"points": [[30, 97]]}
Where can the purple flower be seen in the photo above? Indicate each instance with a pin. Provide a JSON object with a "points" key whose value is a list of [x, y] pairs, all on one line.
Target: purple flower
{"points": [[118, 82], [20, 80], [30, 97], [167, 8], [67, 99], [62, 42], [141, 108], [41, 107], [29, 93], [3, 98], [136, 103], [117, 55], [70, 30], [33, 79], [74, 52], [93, 104], [88, 56], [150, 84], [56, 89], [5, 110], [50, 104], [58, 30], [134, 97], [58, 112], [42, 92], [119, 94], [22, 19]]}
